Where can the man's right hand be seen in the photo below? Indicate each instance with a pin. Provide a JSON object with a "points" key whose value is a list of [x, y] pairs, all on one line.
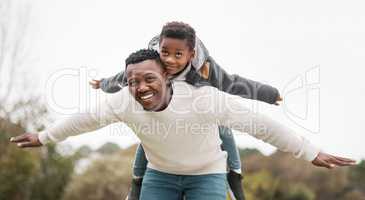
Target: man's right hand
{"points": [[26, 140], [95, 83]]}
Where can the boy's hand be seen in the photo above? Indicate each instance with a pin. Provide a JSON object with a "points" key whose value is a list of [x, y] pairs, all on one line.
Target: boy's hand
{"points": [[279, 98], [26, 140], [330, 161], [95, 84]]}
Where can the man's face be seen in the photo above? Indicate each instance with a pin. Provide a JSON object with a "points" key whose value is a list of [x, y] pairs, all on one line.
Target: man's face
{"points": [[147, 83], [175, 54]]}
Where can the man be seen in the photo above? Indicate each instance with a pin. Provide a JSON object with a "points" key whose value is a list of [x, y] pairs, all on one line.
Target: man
{"points": [[178, 127]]}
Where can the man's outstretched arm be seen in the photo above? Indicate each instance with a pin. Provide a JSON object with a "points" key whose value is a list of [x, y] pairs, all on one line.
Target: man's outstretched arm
{"points": [[109, 112], [237, 116]]}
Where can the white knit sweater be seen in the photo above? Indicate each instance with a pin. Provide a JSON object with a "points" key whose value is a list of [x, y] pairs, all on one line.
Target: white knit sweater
{"points": [[183, 138]]}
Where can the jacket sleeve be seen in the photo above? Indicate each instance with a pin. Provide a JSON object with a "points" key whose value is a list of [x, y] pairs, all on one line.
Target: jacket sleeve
{"points": [[237, 85], [113, 84]]}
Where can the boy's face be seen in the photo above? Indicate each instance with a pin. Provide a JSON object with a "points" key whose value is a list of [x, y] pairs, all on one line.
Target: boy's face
{"points": [[147, 84], [175, 54]]}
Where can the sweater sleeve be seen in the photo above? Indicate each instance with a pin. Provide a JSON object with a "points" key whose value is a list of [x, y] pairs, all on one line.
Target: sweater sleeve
{"points": [[109, 111], [236, 115]]}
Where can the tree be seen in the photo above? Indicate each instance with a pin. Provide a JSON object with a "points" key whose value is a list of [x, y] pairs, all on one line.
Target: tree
{"points": [[53, 175], [357, 176], [16, 166], [30, 173], [108, 148], [108, 177], [15, 51]]}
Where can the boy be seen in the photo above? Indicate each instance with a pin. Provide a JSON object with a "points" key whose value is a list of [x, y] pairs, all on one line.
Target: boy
{"points": [[186, 58], [185, 159]]}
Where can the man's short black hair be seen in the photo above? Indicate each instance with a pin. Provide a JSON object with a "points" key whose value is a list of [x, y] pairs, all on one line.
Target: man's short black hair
{"points": [[179, 30], [142, 55]]}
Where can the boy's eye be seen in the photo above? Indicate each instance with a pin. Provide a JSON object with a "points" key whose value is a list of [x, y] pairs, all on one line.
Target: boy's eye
{"points": [[164, 53], [178, 54]]}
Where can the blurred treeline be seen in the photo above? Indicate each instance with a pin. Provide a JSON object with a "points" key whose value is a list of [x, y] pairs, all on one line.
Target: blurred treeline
{"points": [[105, 173]]}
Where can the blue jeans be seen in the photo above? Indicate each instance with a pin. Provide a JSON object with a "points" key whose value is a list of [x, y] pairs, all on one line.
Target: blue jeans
{"points": [[228, 144], [158, 185]]}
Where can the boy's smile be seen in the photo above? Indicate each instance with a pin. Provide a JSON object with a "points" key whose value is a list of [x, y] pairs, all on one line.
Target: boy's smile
{"points": [[175, 54], [147, 84]]}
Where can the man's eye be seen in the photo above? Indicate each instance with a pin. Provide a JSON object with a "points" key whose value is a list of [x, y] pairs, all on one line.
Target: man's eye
{"points": [[132, 83], [150, 79]]}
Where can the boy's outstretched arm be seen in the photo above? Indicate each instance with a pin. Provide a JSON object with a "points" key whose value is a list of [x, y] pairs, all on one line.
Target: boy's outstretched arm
{"points": [[237, 85], [109, 85]]}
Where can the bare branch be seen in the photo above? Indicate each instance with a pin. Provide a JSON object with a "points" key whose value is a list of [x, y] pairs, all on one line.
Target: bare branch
{"points": [[14, 32]]}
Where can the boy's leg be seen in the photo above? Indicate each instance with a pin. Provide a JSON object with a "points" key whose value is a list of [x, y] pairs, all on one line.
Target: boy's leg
{"points": [[139, 169], [161, 186], [140, 163], [234, 176], [205, 187]]}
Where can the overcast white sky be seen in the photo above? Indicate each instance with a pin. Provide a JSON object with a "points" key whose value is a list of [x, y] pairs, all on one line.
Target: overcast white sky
{"points": [[312, 51]]}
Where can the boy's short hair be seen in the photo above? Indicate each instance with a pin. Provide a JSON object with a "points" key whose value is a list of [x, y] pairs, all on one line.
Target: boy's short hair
{"points": [[142, 55], [179, 30]]}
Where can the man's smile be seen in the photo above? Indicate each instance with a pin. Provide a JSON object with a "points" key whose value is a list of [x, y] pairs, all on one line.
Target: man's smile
{"points": [[146, 95]]}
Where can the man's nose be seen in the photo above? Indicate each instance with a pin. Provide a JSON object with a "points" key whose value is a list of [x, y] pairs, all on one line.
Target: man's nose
{"points": [[142, 87]]}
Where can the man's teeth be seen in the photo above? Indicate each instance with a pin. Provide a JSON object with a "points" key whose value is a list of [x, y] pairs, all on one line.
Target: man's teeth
{"points": [[146, 96]]}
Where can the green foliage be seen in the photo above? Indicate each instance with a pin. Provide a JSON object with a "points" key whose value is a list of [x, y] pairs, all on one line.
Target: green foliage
{"points": [[357, 176], [354, 195], [263, 186], [109, 148], [82, 152], [108, 177], [30, 173], [260, 186], [248, 152], [298, 192], [282, 177], [53, 176], [16, 166]]}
